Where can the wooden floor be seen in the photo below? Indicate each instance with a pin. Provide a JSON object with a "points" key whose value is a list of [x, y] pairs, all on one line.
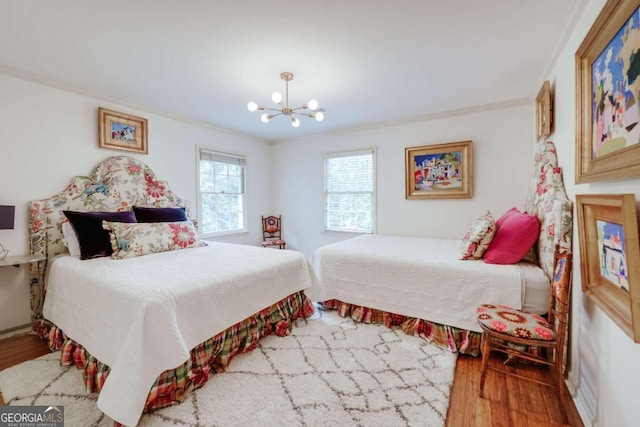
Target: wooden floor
{"points": [[508, 400]]}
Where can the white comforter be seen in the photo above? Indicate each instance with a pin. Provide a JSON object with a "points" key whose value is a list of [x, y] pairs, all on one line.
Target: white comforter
{"points": [[416, 277], [142, 316]]}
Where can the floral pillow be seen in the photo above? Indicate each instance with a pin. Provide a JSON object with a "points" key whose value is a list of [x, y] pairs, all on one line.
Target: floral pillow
{"points": [[136, 239], [477, 239]]}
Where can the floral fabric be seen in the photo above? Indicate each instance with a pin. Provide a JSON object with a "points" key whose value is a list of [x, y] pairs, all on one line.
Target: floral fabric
{"points": [[116, 184], [477, 239], [129, 240], [548, 201], [517, 323]]}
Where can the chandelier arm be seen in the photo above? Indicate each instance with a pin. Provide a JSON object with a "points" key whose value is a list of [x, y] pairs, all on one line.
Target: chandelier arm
{"points": [[273, 109]]}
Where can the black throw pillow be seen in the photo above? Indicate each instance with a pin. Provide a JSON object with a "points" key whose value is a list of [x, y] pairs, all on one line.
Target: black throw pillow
{"points": [[160, 214], [93, 239]]}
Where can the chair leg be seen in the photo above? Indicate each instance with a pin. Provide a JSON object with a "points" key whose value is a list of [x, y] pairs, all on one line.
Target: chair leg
{"points": [[484, 348], [559, 383]]}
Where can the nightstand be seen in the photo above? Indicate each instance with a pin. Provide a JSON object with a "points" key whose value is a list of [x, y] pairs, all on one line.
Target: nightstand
{"points": [[19, 260], [36, 264]]}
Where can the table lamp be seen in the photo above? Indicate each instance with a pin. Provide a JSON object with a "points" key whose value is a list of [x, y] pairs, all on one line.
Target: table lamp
{"points": [[7, 215]]}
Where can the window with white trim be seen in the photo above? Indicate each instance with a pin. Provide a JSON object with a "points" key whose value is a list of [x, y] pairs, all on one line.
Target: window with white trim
{"points": [[221, 193], [349, 191]]}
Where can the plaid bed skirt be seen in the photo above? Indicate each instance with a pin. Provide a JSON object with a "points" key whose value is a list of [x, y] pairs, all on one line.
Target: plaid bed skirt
{"points": [[460, 340], [211, 356]]}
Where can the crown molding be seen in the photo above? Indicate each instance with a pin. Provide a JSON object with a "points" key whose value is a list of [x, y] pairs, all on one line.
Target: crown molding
{"points": [[57, 84], [519, 102], [573, 16]]}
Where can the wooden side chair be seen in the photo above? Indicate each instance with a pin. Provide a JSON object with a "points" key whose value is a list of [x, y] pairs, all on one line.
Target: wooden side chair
{"points": [[524, 335], [272, 232]]}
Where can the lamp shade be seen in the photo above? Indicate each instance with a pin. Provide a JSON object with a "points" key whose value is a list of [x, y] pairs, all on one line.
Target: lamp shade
{"points": [[7, 215]]}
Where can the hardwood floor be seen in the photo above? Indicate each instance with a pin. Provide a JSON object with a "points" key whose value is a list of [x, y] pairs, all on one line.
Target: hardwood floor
{"points": [[508, 401]]}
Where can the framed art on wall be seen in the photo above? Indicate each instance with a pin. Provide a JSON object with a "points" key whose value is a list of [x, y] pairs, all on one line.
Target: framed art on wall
{"points": [[544, 111], [441, 171], [608, 96], [122, 131], [609, 253]]}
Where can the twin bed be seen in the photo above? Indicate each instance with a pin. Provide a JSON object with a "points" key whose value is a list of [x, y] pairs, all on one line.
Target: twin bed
{"points": [[422, 285], [148, 330]]}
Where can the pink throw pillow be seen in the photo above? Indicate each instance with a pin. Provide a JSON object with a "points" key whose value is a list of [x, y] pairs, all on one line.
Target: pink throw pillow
{"points": [[514, 237], [507, 214]]}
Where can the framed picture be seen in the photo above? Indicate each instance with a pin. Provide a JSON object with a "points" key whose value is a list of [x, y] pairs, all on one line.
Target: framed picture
{"points": [[543, 111], [122, 131], [609, 253], [442, 171], [608, 96]]}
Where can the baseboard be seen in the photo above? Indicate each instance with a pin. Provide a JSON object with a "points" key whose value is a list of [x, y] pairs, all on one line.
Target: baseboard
{"points": [[16, 330]]}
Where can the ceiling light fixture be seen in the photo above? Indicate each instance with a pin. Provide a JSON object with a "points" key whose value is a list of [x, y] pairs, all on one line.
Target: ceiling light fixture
{"points": [[310, 109]]}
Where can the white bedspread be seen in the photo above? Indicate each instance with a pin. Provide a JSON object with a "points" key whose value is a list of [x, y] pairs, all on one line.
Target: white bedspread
{"points": [[142, 316], [416, 277]]}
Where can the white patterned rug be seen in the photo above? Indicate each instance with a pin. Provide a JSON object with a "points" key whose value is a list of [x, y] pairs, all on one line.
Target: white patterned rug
{"points": [[330, 371]]}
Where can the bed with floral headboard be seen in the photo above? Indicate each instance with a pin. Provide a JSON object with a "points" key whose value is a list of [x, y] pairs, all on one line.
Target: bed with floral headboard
{"points": [[159, 301], [410, 282]]}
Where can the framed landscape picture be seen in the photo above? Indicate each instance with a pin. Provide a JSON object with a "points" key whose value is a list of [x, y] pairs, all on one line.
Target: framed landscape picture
{"points": [[609, 253], [608, 96], [544, 111], [442, 171], [122, 131]]}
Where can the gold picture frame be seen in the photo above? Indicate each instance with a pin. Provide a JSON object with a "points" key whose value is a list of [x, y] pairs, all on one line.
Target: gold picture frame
{"points": [[607, 111], [122, 131], [609, 253], [544, 111], [441, 171]]}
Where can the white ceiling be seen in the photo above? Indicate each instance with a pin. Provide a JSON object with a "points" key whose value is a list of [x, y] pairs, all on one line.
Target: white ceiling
{"points": [[365, 61]]}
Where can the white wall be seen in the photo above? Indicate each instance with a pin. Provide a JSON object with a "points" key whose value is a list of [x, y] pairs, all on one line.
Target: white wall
{"points": [[502, 159], [48, 135], [605, 363]]}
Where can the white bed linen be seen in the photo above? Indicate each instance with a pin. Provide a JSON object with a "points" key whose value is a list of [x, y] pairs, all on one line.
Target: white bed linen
{"points": [[142, 316], [416, 277]]}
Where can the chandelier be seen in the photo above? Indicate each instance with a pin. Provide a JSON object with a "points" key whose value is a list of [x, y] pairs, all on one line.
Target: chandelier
{"points": [[310, 109]]}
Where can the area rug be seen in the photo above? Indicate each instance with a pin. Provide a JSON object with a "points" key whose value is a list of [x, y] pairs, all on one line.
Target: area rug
{"points": [[329, 371]]}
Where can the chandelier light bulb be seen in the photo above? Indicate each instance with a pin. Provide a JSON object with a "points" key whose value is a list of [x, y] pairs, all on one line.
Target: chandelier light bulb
{"points": [[309, 109]]}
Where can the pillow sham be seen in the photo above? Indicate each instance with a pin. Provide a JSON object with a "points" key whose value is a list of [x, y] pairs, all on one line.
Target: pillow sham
{"points": [[478, 237], [93, 239], [70, 239], [144, 214], [514, 238], [144, 238]]}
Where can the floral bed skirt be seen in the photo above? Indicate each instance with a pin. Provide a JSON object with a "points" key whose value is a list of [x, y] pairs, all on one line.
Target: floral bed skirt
{"points": [[211, 356], [460, 340]]}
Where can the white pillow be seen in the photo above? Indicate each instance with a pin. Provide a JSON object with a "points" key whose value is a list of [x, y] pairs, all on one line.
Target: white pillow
{"points": [[70, 239]]}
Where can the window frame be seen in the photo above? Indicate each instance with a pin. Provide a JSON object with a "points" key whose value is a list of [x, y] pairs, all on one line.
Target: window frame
{"points": [[349, 153], [244, 229]]}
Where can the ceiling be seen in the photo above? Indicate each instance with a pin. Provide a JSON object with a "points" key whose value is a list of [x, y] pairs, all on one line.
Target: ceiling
{"points": [[365, 61]]}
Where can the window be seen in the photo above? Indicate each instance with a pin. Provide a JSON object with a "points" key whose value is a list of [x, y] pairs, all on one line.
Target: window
{"points": [[349, 191], [221, 193]]}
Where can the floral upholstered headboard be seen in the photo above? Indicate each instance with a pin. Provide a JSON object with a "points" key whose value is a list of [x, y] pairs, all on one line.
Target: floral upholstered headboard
{"points": [[116, 184], [548, 201]]}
